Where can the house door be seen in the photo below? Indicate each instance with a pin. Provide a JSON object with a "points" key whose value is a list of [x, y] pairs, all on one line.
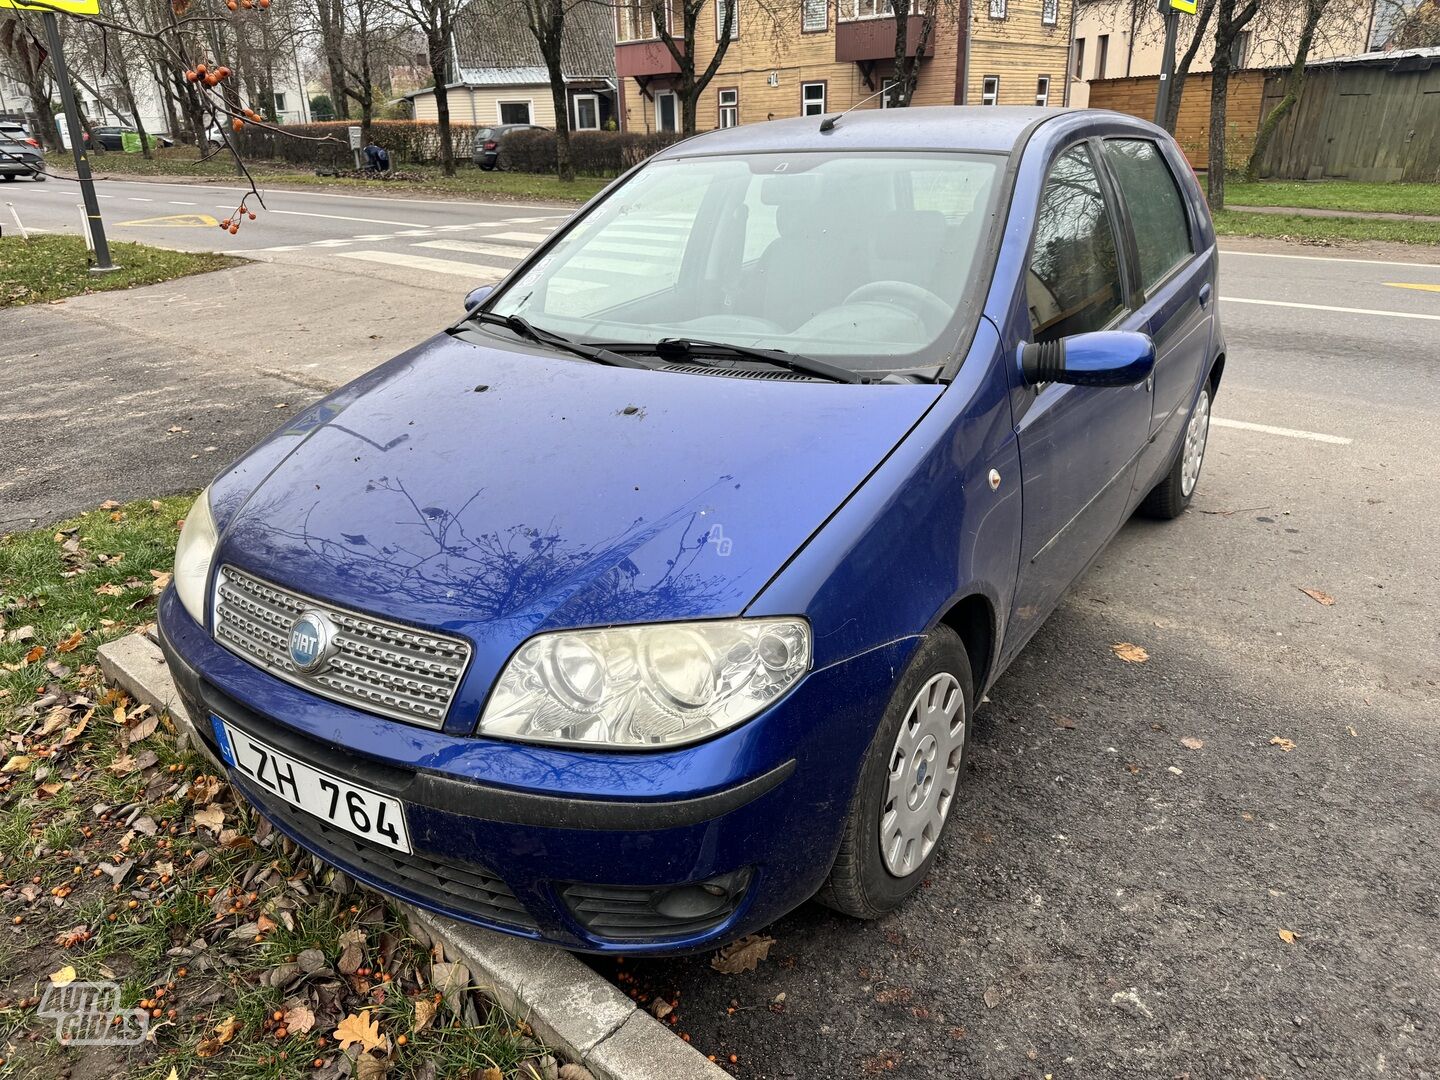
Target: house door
{"points": [[667, 112]]}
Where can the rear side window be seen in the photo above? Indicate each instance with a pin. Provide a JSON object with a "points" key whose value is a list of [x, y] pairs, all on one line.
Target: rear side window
{"points": [[1157, 211], [1072, 284]]}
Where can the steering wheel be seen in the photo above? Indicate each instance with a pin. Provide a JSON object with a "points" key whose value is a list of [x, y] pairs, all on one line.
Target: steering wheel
{"points": [[933, 311]]}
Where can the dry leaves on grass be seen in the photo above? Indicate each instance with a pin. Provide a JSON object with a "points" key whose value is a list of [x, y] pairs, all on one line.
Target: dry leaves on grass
{"points": [[210, 817], [299, 1018], [424, 1014], [742, 955], [1130, 653], [1322, 598], [1285, 745], [71, 643], [226, 1030], [64, 977], [361, 1031]]}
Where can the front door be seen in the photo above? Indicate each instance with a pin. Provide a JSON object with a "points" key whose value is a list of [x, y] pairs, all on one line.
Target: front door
{"points": [[1078, 445]]}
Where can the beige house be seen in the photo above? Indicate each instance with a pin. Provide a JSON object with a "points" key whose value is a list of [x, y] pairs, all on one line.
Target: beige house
{"points": [[823, 56], [1116, 40]]}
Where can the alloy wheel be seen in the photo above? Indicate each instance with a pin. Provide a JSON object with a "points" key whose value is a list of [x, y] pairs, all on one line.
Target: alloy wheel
{"points": [[1195, 437], [923, 774]]}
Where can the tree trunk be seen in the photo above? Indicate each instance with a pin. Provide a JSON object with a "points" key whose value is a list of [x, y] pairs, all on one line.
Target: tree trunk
{"points": [[46, 130], [1294, 84], [438, 42], [1182, 69], [564, 167], [1215, 168], [330, 15]]}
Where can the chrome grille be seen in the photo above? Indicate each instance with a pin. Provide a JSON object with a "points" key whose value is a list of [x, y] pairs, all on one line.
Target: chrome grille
{"points": [[381, 667]]}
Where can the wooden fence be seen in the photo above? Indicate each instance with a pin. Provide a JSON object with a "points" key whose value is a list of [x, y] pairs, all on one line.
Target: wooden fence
{"points": [[1136, 96]]}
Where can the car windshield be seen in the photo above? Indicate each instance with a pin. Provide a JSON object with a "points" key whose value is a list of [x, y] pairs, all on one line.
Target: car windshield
{"points": [[866, 259]]}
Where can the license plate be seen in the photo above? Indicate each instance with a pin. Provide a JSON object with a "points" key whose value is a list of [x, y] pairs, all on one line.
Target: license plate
{"points": [[358, 810]]}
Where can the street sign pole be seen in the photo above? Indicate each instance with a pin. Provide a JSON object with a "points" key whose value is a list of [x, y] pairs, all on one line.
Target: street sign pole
{"points": [[77, 146], [1167, 64]]}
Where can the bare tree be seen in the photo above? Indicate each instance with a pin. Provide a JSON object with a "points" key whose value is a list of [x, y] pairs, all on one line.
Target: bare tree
{"points": [[907, 63], [1231, 18], [435, 19], [546, 21], [1312, 12], [1203, 14], [27, 56], [692, 83]]}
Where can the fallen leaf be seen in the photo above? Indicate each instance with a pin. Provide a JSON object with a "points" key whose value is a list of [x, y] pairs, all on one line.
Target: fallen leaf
{"points": [[204, 789], [301, 1018], [452, 980], [1322, 598], [1065, 722], [992, 997], [1351, 729], [660, 1008], [71, 643], [1284, 744], [1191, 743], [370, 1067], [64, 977], [109, 589], [742, 955], [360, 1030], [210, 817], [162, 579], [123, 765], [424, 1013], [18, 763], [110, 504], [1131, 654], [35, 653], [227, 1029], [492, 1073], [19, 634], [1288, 936]]}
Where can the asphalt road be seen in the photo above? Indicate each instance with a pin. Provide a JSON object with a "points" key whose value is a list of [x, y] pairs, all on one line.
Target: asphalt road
{"points": [[1108, 901]]}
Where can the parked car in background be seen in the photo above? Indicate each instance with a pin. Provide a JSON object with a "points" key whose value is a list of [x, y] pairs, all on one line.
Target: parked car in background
{"points": [[20, 154], [656, 595], [113, 137], [487, 143]]}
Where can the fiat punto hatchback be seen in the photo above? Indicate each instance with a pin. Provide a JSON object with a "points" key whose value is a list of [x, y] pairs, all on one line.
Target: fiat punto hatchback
{"points": [[654, 596]]}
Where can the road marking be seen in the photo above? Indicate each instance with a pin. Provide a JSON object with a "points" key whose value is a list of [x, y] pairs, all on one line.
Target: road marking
{"points": [[177, 221], [1330, 258], [135, 199], [528, 237], [174, 202], [341, 217], [1327, 307], [474, 271], [1411, 285], [1289, 433], [474, 248]]}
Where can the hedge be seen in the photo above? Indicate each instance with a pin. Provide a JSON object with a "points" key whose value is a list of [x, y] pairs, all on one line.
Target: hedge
{"points": [[408, 142], [593, 153]]}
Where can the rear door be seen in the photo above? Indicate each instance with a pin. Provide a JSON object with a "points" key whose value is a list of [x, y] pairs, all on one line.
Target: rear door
{"points": [[1078, 444], [1177, 286]]}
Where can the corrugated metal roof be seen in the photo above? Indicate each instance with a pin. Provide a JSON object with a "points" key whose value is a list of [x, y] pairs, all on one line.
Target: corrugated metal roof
{"points": [[1431, 52], [520, 76], [494, 38]]}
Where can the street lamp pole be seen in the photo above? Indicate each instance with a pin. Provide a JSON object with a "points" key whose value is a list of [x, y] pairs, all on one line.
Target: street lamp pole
{"points": [[77, 147], [1167, 64]]}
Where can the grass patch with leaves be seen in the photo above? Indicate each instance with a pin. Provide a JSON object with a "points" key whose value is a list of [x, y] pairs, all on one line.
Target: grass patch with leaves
{"points": [[468, 183], [124, 859], [46, 268], [1349, 195], [1315, 230]]}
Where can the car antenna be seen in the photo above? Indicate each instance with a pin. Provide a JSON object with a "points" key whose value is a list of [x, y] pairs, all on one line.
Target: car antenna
{"points": [[828, 124]]}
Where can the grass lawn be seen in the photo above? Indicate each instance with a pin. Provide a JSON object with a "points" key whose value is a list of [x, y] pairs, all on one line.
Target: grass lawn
{"points": [[124, 859], [1337, 195], [48, 267], [1325, 230], [469, 182]]}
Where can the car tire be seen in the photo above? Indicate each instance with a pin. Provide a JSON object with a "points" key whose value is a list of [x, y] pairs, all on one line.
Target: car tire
{"points": [[866, 880], [40, 177], [1169, 498]]}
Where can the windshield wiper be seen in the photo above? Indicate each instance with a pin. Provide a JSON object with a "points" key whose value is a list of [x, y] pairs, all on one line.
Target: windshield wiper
{"points": [[674, 350], [522, 327]]}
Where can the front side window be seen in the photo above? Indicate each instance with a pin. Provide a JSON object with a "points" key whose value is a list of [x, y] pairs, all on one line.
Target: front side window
{"points": [[514, 112], [1157, 211], [1072, 283], [812, 98], [864, 259]]}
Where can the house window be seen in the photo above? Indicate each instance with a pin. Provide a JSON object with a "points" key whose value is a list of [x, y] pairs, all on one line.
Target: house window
{"points": [[722, 13], [1049, 12], [729, 102], [1102, 54], [636, 20], [587, 112], [812, 98], [1042, 91], [815, 15], [990, 90], [873, 9], [515, 112], [1080, 58], [667, 111], [279, 102], [997, 9], [1239, 48], [887, 97]]}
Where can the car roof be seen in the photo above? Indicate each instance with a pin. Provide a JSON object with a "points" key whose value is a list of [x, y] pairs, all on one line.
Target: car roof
{"points": [[983, 128]]}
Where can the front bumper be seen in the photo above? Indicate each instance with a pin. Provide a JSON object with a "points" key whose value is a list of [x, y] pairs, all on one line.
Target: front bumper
{"points": [[534, 841]]}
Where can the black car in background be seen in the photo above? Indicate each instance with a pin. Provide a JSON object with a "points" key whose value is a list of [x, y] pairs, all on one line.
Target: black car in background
{"points": [[20, 154], [487, 143], [112, 137]]}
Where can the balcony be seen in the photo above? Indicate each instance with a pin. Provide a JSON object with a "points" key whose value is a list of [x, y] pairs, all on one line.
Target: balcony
{"points": [[644, 59], [860, 40]]}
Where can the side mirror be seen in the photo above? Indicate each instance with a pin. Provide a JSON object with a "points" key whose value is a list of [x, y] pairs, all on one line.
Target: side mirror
{"points": [[1102, 358], [475, 297]]}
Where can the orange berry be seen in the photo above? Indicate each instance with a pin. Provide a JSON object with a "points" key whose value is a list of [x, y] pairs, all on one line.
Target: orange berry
{"points": [[278, 1015], [252, 214], [234, 229], [191, 76], [223, 73], [200, 69], [401, 1040], [210, 80], [238, 124], [281, 1031]]}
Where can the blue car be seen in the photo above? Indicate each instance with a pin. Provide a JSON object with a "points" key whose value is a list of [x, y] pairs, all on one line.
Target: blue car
{"points": [[655, 596]]}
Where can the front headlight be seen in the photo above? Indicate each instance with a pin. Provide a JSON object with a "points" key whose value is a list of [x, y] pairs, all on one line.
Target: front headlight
{"points": [[645, 687], [193, 555]]}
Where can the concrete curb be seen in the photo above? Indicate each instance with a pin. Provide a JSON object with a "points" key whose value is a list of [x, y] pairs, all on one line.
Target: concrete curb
{"points": [[574, 1011]]}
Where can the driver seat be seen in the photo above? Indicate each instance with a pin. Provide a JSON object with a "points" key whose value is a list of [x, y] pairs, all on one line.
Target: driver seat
{"points": [[908, 245]]}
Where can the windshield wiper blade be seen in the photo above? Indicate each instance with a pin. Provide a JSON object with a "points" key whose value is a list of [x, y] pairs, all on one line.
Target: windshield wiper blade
{"points": [[522, 327], [676, 349]]}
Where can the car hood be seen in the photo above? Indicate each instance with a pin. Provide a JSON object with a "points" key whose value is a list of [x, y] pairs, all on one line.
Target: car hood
{"points": [[496, 492]]}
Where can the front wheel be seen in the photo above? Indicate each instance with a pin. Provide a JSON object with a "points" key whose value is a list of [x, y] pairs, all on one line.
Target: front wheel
{"points": [[908, 783], [1172, 495]]}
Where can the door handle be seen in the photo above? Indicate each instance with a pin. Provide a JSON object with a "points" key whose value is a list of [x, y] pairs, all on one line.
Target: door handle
{"points": [[1205, 291]]}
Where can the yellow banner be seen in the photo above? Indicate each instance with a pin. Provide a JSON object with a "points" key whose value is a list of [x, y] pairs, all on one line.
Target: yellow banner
{"points": [[1187, 6], [73, 7]]}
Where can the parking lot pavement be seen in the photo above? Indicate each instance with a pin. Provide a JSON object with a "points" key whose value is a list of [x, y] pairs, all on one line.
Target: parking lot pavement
{"points": [[1109, 901]]}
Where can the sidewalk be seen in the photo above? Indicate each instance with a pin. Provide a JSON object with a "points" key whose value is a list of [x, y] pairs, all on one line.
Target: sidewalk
{"points": [[147, 392], [1305, 211]]}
